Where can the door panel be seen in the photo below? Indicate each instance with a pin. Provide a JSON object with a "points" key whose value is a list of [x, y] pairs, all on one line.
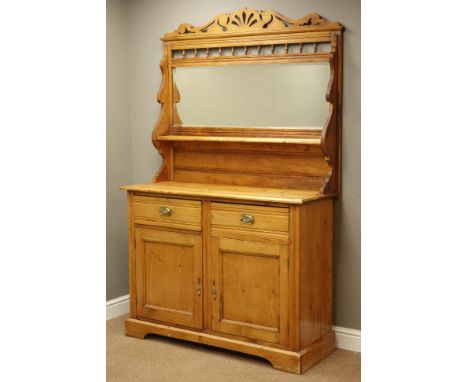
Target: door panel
{"points": [[169, 276], [250, 281]]}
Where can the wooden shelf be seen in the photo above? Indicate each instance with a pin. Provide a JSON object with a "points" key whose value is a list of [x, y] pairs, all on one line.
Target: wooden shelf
{"points": [[195, 138], [273, 195]]}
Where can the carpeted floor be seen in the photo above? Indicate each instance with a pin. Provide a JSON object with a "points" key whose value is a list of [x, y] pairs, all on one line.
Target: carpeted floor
{"points": [[159, 359]]}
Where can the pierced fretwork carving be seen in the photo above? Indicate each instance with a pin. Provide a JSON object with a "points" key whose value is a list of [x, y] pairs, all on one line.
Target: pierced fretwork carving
{"points": [[251, 20]]}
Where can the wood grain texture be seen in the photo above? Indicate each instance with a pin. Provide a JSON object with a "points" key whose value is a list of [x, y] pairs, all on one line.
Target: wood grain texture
{"points": [[168, 275], [229, 131], [281, 359], [284, 360], [315, 352], [279, 163], [246, 29], [315, 253], [206, 232], [231, 245], [331, 134], [253, 168], [270, 283], [193, 138], [268, 40], [184, 214], [252, 284], [249, 147], [214, 191], [294, 276], [226, 215], [245, 179], [165, 98], [250, 21]]}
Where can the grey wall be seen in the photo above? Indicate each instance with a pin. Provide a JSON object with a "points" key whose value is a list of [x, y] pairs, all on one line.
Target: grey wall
{"points": [[119, 148], [148, 21]]}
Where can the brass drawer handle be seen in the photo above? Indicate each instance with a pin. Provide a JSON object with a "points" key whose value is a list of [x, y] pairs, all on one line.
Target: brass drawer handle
{"points": [[214, 292], [247, 219], [165, 211], [198, 288]]}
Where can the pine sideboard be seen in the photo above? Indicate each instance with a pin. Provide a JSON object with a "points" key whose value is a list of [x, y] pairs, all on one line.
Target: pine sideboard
{"points": [[231, 244]]}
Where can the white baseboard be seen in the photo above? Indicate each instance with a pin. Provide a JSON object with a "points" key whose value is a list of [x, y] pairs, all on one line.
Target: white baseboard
{"points": [[117, 307], [346, 339]]}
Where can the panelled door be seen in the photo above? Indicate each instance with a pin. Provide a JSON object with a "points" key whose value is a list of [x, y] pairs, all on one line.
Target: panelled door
{"points": [[249, 288], [169, 276]]}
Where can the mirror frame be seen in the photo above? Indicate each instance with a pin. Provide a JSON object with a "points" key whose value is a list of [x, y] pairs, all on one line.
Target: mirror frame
{"points": [[248, 29]]}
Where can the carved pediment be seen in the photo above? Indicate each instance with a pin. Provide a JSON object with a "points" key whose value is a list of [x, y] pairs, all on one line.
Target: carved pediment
{"points": [[249, 20]]}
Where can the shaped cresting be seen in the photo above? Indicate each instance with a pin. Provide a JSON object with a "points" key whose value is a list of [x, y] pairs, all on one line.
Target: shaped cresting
{"points": [[254, 37]]}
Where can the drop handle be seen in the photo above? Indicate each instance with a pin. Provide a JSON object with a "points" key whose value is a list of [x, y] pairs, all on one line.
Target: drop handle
{"points": [[165, 211], [247, 219], [198, 289]]}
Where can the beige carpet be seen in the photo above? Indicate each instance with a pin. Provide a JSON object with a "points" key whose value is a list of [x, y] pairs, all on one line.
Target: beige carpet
{"points": [[158, 359]]}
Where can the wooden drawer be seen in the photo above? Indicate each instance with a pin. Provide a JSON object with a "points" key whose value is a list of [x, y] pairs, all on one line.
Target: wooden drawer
{"points": [[166, 212], [250, 217]]}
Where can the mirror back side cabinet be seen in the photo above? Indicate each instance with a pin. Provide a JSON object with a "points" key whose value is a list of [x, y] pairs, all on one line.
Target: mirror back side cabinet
{"points": [[230, 245]]}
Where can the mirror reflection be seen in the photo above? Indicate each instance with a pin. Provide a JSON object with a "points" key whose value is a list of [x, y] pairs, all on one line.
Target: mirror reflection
{"points": [[275, 95]]}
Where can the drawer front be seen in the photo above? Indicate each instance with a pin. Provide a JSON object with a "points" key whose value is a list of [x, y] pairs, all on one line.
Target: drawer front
{"points": [[250, 217], [167, 212]]}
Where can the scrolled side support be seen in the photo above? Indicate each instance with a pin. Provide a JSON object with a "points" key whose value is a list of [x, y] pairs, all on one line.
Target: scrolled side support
{"points": [[163, 124], [330, 133]]}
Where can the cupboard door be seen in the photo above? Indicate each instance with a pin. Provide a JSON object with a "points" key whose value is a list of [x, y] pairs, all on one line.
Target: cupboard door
{"points": [[250, 289], [169, 276]]}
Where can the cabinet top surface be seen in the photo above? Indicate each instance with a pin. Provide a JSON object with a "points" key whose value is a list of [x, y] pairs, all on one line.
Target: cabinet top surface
{"points": [[274, 195]]}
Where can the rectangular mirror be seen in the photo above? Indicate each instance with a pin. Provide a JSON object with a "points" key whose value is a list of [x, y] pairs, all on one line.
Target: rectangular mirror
{"points": [[288, 95]]}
